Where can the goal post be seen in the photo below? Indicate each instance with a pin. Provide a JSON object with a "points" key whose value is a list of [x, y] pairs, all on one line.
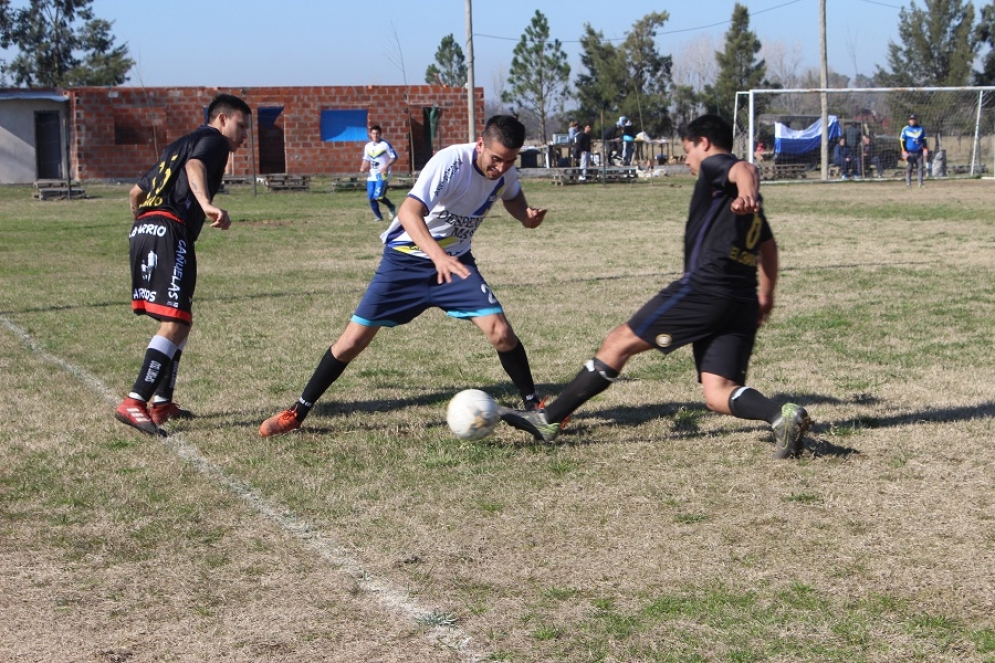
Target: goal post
{"points": [[959, 124]]}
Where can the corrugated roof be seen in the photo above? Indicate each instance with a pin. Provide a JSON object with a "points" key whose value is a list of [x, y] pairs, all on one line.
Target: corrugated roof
{"points": [[25, 93]]}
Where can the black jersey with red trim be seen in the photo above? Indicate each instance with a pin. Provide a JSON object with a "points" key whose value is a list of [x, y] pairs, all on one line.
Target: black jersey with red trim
{"points": [[166, 183], [720, 247]]}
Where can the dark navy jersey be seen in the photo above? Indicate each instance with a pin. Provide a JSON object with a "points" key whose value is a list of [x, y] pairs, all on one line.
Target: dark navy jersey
{"points": [[720, 247], [167, 186]]}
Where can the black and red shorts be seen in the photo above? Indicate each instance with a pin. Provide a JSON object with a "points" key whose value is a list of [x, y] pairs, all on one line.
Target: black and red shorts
{"points": [[163, 268]]}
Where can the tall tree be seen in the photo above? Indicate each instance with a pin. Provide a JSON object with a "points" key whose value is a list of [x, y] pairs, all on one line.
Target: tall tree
{"points": [[648, 76], [450, 64], [739, 69], [936, 46], [601, 87], [61, 43], [632, 79], [539, 72], [985, 35]]}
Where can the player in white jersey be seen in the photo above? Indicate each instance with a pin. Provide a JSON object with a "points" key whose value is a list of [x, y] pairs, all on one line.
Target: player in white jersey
{"points": [[427, 262], [378, 157]]}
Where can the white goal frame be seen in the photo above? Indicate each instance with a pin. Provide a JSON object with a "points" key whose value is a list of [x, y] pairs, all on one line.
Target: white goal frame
{"points": [[982, 149]]}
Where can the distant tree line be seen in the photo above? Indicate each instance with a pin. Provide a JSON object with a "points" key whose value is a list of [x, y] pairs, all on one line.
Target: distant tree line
{"points": [[62, 43]]}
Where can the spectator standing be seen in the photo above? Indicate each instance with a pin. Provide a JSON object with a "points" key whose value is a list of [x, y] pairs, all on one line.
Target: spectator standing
{"points": [[869, 157], [378, 157], [914, 149], [628, 141], [582, 151], [170, 205]]}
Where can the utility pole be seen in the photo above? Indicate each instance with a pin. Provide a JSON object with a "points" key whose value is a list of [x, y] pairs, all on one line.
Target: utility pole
{"points": [[471, 105], [824, 83]]}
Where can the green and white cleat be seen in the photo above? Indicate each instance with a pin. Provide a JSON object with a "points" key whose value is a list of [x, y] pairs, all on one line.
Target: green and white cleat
{"points": [[532, 422], [789, 429]]}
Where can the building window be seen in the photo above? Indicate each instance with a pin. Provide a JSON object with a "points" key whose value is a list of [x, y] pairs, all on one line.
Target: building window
{"points": [[343, 125]]}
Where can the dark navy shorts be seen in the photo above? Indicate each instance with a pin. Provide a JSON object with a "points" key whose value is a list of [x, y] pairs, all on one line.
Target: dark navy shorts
{"points": [[163, 269], [405, 286], [722, 331]]}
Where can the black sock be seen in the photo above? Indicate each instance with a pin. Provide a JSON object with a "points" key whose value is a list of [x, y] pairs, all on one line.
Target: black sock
{"points": [[516, 364], [595, 377], [748, 403], [155, 367], [165, 391], [328, 371]]}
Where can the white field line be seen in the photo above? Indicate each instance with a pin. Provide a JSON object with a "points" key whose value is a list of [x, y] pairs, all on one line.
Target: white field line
{"points": [[394, 599]]}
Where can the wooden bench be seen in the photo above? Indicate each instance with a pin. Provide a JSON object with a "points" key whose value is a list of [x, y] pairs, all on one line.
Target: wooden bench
{"points": [[567, 176], [785, 171], [58, 190], [358, 182], [287, 182]]}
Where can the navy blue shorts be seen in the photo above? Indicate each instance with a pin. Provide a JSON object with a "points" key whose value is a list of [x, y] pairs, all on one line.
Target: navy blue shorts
{"points": [[722, 331], [405, 286]]}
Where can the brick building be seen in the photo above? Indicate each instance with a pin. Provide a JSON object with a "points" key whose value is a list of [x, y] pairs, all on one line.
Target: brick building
{"points": [[118, 132]]}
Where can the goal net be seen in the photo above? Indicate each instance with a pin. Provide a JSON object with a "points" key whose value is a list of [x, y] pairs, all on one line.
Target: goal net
{"points": [[784, 127]]}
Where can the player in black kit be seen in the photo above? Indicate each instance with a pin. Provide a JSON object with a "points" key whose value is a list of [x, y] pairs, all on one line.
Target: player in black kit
{"points": [[170, 204], [715, 306]]}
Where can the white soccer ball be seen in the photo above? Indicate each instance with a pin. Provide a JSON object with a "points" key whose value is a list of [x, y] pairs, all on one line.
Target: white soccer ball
{"points": [[472, 414]]}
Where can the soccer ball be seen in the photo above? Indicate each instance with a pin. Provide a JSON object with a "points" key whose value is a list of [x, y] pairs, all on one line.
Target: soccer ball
{"points": [[472, 415]]}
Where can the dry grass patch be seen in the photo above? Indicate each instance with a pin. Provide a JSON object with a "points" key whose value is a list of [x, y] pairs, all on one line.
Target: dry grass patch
{"points": [[652, 531]]}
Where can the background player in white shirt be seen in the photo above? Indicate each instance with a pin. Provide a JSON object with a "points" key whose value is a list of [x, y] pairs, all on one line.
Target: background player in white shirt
{"points": [[378, 157]]}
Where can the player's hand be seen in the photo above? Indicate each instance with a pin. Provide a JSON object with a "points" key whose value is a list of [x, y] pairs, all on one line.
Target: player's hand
{"points": [[447, 266], [219, 217], [533, 217], [905, 155], [746, 204]]}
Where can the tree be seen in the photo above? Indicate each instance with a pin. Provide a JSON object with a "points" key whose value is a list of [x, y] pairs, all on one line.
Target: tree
{"points": [[539, 72], [450, 64], [60, 43], [985, 34], [738, 68], [632, 79], [936, 46]]}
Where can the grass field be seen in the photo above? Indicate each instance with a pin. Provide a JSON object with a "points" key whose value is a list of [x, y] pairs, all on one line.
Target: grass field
{"points": [[653, 530]]}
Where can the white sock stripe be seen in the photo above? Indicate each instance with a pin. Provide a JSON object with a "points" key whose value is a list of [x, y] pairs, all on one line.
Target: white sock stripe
{"points": [[163, 345]]}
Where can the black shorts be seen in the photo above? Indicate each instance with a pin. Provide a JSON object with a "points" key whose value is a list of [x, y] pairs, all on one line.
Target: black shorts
{"points": [[163, 269], [722, 330]]}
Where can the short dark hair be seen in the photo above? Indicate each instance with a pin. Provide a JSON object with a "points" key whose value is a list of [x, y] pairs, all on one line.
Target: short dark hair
{"points": [[506, 130], [226, 103], [375, 127], [712, 127]]}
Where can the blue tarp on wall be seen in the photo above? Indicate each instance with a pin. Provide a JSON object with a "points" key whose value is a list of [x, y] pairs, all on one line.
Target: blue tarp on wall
{"points": [[343, 125], [800, 141]]}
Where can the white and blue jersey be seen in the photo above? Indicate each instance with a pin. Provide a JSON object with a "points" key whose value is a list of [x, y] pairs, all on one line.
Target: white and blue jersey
{"points": [[379, 155], [913, 138], [457, 196]]}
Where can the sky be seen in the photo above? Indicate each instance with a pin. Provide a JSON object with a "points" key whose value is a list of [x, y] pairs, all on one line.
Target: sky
{"points": [[330, 42]]}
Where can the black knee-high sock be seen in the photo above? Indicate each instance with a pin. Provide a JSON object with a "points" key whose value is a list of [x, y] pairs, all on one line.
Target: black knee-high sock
{"points": [[516, 364], [375, 206], [328, 371], [595, 377], [748, 403], [165, 391], [389, 204], [155, 367]]}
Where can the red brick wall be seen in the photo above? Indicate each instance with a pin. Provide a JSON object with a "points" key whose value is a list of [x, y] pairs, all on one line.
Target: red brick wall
{"points": [[174, 112]]}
